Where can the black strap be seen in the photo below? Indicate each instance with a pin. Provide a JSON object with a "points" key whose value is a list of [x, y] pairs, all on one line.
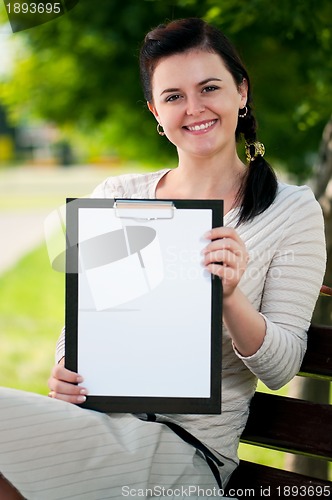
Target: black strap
{"points": [[211, 459], [214, 470]]}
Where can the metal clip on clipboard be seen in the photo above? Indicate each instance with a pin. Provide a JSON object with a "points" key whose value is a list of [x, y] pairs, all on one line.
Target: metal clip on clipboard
{"points": [[144, 209]]}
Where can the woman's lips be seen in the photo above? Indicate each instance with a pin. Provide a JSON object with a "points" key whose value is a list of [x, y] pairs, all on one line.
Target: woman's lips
{"points": [[201, 126]]}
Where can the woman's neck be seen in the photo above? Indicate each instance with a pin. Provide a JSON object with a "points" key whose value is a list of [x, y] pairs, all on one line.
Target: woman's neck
{"points": [[202, 178]]}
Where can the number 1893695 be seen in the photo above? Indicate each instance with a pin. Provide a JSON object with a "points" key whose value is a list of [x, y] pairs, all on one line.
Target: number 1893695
{"points": [[303, 491], [34, 7]]}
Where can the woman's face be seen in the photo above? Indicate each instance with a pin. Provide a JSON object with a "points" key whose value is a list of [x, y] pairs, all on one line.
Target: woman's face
{"points": [[197, 102]]}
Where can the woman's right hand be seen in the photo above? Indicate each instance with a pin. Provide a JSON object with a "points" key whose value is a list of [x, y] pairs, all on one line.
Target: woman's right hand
{"points": [[63, 385]]}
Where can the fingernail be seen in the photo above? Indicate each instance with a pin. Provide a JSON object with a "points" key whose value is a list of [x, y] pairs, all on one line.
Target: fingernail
{"points": [[79, 379], [83, 391], [207, 235], [81, 399]]}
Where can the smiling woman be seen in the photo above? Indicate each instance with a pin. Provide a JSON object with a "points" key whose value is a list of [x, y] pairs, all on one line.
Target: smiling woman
{"points": [[199, 92]]}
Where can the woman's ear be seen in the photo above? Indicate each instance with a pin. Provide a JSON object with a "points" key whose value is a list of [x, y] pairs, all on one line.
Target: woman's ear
{"points": [[153, 110], [243, 91]]}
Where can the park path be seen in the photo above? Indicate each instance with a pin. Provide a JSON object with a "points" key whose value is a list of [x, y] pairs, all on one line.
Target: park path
{"points": [[29, 194], [20, 233]]}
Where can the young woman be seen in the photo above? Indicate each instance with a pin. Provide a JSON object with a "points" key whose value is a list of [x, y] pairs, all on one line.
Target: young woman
{"points": [[270, 256]]}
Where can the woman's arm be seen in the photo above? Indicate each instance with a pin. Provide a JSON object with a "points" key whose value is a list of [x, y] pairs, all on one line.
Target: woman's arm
{"points": [[272, 342]]}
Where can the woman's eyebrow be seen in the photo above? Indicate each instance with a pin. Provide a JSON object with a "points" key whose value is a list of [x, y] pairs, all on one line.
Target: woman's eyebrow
{"points": [[213, 79], [169, 90], [203, 82]]}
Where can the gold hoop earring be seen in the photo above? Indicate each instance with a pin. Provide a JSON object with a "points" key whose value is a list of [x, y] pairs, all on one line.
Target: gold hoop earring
{"points": [[160, 129], [243, 115]]}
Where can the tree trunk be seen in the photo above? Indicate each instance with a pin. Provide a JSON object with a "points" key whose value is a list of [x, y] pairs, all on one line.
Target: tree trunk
{"points": [[308, 389]]}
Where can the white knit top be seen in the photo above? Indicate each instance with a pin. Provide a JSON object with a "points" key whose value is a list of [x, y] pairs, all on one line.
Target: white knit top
{"points": [[286, 246]]}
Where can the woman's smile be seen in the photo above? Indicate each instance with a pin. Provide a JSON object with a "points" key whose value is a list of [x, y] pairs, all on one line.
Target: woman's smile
{"points": [[201, 127]]}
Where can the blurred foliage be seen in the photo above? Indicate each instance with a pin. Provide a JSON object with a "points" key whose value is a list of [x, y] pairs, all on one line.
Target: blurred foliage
{"points": [[81, 71]]}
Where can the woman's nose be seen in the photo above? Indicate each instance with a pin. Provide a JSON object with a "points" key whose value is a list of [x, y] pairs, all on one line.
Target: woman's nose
{"points": [[194, 106]]}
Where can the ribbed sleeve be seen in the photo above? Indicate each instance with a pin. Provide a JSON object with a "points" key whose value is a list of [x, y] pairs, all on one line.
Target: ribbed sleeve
{"points": [[291, 286], [60, 347]]}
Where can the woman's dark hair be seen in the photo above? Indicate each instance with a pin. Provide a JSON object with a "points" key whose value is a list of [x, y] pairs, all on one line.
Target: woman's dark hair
{"points": [[259, 188]]}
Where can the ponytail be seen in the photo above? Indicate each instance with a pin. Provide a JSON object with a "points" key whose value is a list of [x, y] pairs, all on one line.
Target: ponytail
{"points": [[259, 188]]}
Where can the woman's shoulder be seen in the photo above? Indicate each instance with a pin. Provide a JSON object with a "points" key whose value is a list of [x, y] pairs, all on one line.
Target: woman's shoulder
{"points": [[293, 205], [291, 197], [131, 185], [292, 193]]}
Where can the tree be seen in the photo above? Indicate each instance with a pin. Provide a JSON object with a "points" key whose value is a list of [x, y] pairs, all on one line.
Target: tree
{"points": [[81, 70]]}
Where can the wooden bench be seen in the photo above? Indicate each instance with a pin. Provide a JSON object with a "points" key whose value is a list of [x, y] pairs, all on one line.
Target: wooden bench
{"points": [[290, 425]]}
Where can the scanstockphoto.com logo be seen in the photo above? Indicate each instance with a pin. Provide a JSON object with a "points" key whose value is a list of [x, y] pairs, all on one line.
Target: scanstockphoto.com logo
{"points": [[25, 14]]}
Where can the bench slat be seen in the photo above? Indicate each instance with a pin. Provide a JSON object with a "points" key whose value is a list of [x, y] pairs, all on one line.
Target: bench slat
{"points": [[253, 480], [289, 424], [317, 362]]}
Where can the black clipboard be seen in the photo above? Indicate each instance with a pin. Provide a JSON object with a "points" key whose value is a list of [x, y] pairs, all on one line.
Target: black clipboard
{"points": [[143, 317]]}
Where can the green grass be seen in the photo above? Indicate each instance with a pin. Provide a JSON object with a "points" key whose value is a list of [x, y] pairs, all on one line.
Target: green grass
{"points": [[31, 318], [19, 202]]}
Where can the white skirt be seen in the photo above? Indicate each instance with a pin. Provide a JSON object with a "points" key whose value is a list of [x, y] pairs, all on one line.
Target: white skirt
{"points": [[52, 450]]}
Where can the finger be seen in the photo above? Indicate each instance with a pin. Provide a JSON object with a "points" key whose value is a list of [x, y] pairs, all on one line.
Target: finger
{"points": [[68, 398], [66, 388], [228, 275], [229, 254], [65, 381], [223, 243], [223, 232], [223, 257], [236, 246], [216, 269], [61, 373]]}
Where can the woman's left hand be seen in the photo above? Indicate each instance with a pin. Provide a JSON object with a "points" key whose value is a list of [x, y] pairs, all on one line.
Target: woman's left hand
{"points": [[226, 256]]}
